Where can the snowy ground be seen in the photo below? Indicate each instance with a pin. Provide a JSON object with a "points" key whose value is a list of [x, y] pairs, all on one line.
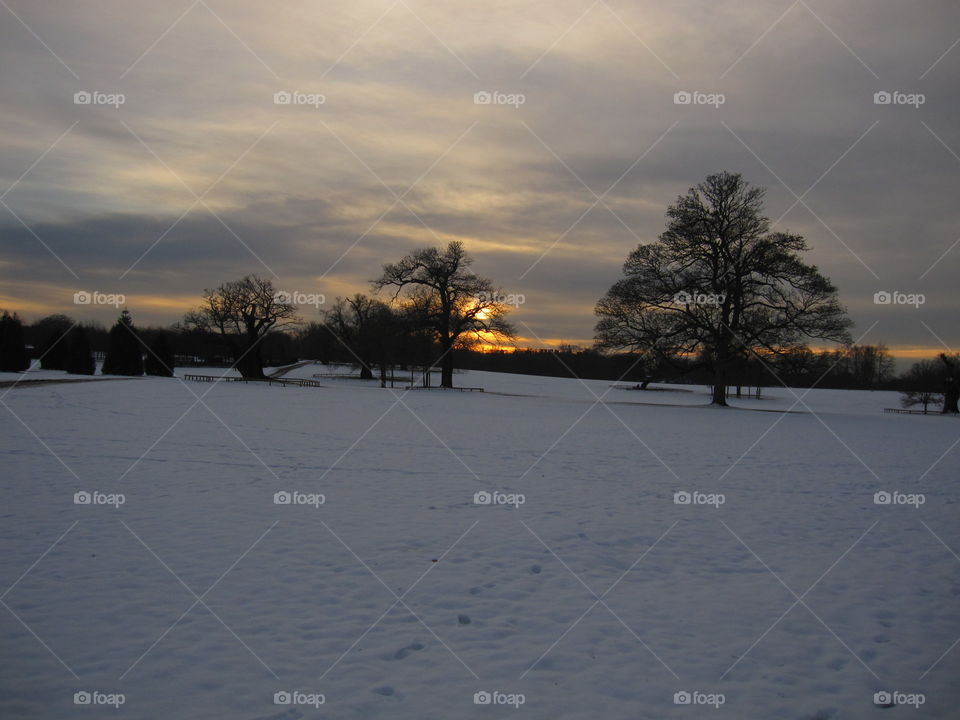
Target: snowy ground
{"points": [[400, 597]]}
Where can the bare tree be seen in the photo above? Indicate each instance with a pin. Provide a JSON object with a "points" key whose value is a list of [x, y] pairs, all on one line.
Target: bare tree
{"points": [[244, 311], [921, 382], [454, 303], [719, 285], [367, 328]]}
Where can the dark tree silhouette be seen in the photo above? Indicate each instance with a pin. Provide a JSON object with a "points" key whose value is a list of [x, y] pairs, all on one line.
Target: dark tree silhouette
{"points": [[719, 285], [448, 298], [951, 388], [51, 341], [80, 358], [243, 312], [124, 350], [13, 353], [921, 385], [366, 327], [159, 359]]}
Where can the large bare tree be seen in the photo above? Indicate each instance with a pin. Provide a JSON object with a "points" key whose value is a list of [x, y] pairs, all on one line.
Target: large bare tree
{"points": [[454, 303], [244, 311], [718, 284]]}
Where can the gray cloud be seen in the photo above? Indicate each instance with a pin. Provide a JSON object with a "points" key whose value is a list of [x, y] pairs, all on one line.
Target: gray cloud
{"points": [[301, 186]]}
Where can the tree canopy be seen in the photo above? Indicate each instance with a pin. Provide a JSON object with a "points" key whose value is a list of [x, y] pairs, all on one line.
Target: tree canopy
{"points": [[719, 284]]}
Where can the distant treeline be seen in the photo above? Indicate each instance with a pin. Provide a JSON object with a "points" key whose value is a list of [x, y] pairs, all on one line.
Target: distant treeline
{"points": [[854, 367]]}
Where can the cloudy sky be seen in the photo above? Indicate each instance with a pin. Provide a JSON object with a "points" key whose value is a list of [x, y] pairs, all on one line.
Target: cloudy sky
{"points": [[200, 176]]}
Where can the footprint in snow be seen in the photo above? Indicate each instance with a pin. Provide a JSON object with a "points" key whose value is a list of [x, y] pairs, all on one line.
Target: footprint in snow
{"points": [[405, 651], [463, 619], [385, 690], [536, 569]]}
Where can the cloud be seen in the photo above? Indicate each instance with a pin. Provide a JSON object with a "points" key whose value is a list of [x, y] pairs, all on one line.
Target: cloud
{"points": [[312, 191]]}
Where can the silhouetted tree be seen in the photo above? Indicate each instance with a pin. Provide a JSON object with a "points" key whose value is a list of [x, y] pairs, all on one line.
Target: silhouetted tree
{"points": [[719, 285], [50, 341], [243, 312], [13, 353], [951, 389], [80, 357], [921, 385], [448, 298], [159, 360], [366, 327], [124, 350]]}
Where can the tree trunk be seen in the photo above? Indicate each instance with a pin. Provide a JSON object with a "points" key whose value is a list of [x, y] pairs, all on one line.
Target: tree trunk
{"points": [[249, 361], [719, 392], [446, 364], [950, 397], [365, 372]]}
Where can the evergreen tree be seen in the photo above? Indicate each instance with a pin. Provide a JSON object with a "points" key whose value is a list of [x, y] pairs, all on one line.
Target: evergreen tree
{"points": [[124, 351], [13, 353], [80, 358], [51, 336], [160, 357]]}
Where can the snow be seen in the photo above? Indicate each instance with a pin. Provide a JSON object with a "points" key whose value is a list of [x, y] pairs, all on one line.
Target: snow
{"points": [[400, 597]]}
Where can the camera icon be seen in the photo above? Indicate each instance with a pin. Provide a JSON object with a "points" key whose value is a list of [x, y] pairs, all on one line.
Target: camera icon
{"points": [[482, 498], [683, 298], [82, 98], [882, 97], [82, 698], [682, 98], [681, 697], [883, 698], [882, 298], [82, 298], [882, 498], [482, 698], [482, 98], [282, 98], [82, 498], [282, 498], [682, 497], [282, 697], [282, 296]]}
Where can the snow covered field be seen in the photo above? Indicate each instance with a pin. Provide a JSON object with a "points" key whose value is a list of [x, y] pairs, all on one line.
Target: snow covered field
{"points": [[400, 596]]}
